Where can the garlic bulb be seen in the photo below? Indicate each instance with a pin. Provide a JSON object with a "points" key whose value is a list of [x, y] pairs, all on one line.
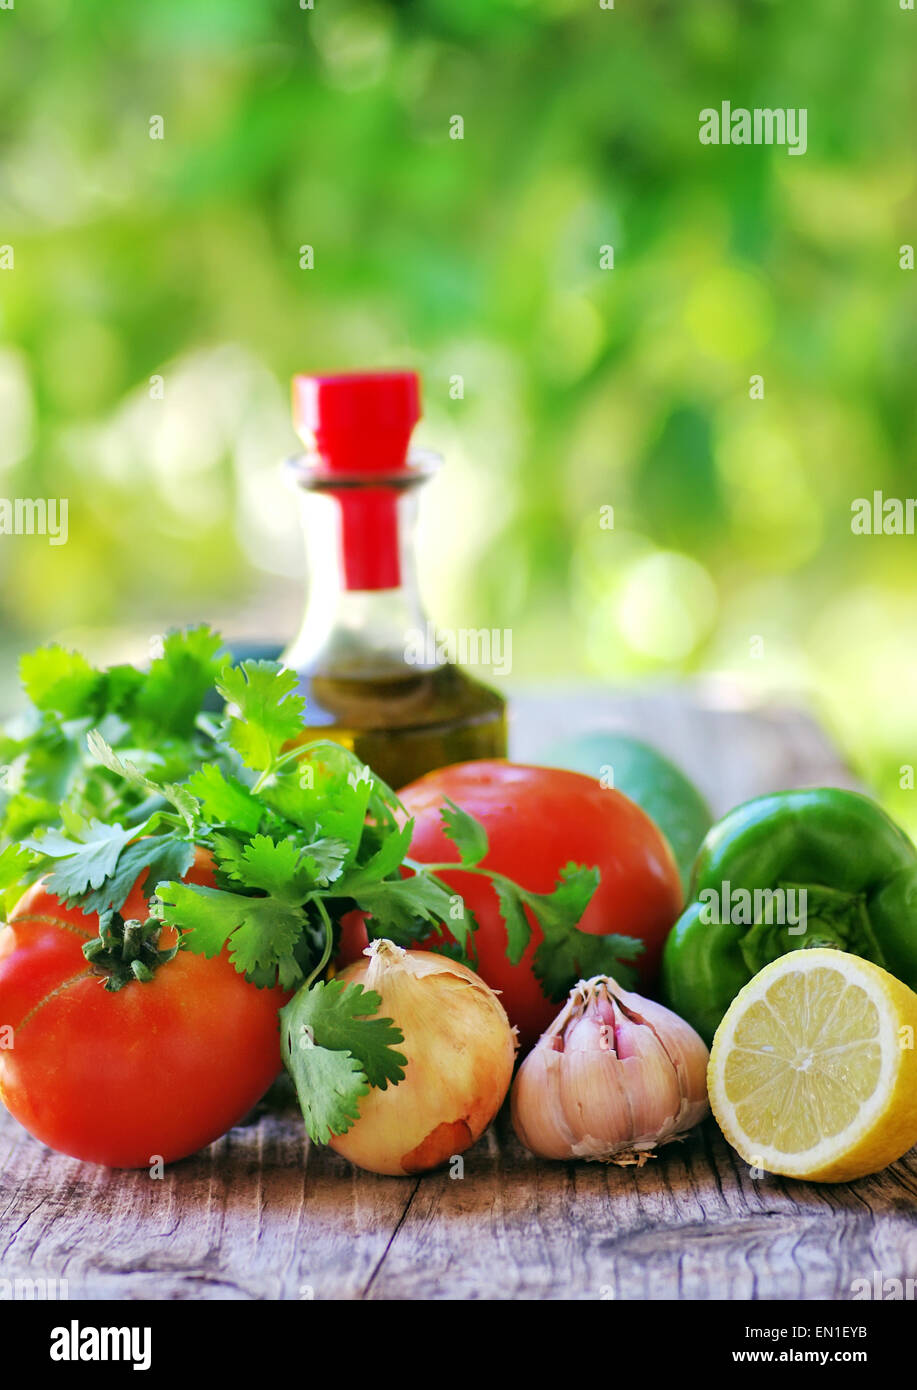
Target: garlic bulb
{"points": [[613, 1077], [460, 1050]]}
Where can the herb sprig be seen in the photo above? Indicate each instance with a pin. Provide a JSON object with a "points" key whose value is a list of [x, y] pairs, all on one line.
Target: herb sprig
{"points": [[299, 834]]}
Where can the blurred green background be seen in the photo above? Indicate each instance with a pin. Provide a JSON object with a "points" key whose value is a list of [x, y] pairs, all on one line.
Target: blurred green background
{"points": [[179, 258]]}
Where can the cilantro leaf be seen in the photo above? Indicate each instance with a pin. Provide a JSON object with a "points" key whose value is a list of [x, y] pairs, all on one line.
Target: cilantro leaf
{"points": [[177, 681], [335, 1050], [265, 712], [285, 796], [467, 834], [261, 933], [329, 1086], [119, 688], [276, 868], [59, 681], [103, 753], [383, 861], [37, 781], [84, 863], [564, 907], [561, 960], [325, 859], [225, 800], [401, 908], [284, 868], [24, 814], [340, 1016], [15, 861], [210, 915], [518, 931], [163, 856], [567, 954], [329, 790], [149, 719]]}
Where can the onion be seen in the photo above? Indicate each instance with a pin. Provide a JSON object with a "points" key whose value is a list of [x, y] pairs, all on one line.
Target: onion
{"points": [[460, 1050]]}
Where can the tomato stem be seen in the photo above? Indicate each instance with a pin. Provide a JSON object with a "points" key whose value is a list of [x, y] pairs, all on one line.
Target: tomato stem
{"points": [[126, 951]]}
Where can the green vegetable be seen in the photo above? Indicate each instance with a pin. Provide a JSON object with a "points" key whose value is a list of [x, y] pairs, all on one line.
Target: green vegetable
{"points": [[299, 834], [565, 953], [335, 1050], [821, 867], [641, 772], [150, 722], [594, 954]]}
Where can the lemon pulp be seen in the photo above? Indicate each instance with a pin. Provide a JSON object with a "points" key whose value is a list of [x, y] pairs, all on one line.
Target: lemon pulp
{"points": [[813, 1072]]}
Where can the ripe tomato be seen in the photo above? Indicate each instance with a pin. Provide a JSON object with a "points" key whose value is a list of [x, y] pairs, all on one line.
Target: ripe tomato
{"points": [[157, 1069], [538, 819]]}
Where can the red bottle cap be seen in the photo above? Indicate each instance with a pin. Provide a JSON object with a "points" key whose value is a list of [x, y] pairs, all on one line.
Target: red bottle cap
{"points": [[360, 422]]}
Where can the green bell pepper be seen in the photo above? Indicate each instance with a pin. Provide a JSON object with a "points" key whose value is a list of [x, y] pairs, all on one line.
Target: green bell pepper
{"points": [[820, 867]]}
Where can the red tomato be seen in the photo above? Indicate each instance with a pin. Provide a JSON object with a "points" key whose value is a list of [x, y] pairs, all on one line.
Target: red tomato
{"points": [[354, 938], [537, 820], [155, 1069]]}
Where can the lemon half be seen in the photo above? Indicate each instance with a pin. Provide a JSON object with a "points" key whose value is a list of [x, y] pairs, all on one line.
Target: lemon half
{"points": [[813, 1070]]}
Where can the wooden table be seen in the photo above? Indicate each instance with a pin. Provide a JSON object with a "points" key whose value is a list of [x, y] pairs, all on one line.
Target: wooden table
{"points": [[260, 1214]]}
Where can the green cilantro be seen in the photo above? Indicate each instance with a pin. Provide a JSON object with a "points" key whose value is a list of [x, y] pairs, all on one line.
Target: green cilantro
{"points": [[148, 719], [118, 691], [335, 1050], [467, 834], [24, 813], [284, 870], [567, 954], [84, 863], [325, 859], [15, 861], [265, 713], [329, 1087], [518, 931], [325, 791], [224, 800], [404, 910], [170, 697], [260, 933], [59, 681], [163, 856], [181, 799], [386, 860]]}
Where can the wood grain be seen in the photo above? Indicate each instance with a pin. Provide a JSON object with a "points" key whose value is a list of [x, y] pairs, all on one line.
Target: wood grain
{"points": [[263, 1215]]}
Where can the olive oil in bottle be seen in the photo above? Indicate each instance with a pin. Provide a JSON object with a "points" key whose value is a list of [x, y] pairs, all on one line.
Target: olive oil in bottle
{"points": [[372, 679]]}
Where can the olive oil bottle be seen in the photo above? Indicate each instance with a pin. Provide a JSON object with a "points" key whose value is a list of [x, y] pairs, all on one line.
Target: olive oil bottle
{"points": [[368, 681]]}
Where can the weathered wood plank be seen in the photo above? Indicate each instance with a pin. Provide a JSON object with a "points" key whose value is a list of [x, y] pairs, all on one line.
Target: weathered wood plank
{"points": [[691, 1224], [261, 1214], [257, 1215]]}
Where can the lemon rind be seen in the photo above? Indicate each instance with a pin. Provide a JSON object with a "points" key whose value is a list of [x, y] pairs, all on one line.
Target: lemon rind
{"points": [[832, 1150]]}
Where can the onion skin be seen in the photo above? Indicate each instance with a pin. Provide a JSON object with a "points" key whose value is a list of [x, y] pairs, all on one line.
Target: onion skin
{"points": [[460, 1050]]}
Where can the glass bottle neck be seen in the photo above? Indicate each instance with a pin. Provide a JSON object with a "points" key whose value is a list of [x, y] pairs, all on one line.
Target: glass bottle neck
{"points": [[363, 612]]}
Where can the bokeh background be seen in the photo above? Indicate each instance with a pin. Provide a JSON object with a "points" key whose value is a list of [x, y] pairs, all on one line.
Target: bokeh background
{"points": [[179, 259]]}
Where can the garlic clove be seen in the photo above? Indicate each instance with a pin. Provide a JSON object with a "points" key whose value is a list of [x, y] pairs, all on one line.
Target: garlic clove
{"points": [[613, 1077], [537, 1108], [683, 1046], [597, 1104]]}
